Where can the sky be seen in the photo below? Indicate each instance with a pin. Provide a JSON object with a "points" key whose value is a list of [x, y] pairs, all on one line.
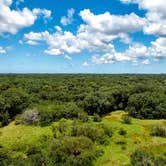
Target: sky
{"points": [[78, 36]]}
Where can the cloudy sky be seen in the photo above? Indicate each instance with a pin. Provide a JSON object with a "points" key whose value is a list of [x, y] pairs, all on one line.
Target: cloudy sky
{"points": [[78, 36]]}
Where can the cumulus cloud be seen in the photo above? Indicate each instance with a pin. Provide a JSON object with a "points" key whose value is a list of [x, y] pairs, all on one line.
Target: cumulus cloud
{"points": [[156, 15], [97, 34], [68, 57], [31, 42], [12, 20], [146, 62], [93, 35], [2, 50], [135, 52], [65, 20], [85, 64], [113, 24], [158, 48]]}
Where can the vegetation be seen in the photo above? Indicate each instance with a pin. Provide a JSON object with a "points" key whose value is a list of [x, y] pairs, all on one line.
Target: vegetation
{"points": [[72, 120], [159, 130]]}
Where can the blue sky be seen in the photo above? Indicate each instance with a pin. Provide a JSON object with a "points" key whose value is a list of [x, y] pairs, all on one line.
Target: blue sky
{"points": [[69, 36]]}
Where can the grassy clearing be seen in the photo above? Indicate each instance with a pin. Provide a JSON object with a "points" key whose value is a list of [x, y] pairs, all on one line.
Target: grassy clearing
{"points": [[16, 138], [138, 136]]}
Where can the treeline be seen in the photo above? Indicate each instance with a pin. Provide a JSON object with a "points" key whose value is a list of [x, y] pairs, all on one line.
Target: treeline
{"points": [[142, 96]]}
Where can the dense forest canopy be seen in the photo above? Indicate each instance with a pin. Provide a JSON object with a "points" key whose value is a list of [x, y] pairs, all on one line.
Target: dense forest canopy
{"points": [[142, 96]]}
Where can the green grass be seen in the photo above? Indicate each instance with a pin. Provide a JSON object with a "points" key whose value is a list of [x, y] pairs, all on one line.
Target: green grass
{"points": [[138, 136], [17, 138]]}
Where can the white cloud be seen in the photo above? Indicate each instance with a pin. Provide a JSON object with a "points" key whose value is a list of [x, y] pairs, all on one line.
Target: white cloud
{"points": [[158, 48], [46, 13], [68, 57], [58, 28], [65, 20], [93, 36], [97, 34], [113, 24], [12, 20], [133, 53], [31, 42], [86, 64], [156, 15], [2, 50], [146, 62], [20, 42]]}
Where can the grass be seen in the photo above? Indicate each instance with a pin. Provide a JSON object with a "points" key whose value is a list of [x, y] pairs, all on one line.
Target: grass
{"points": [[138, 136], [16, 138]]}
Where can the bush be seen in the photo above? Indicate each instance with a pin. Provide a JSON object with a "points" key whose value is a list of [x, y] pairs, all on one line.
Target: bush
{"points": [[126, 119], [75, 151], [96, 118], [142, 158], [158, 130], [120, 142], [122, 131], [83, 117], [30, 117], [17, 120], [4, 118], [46, 117], [97, 133], [70, 111]]}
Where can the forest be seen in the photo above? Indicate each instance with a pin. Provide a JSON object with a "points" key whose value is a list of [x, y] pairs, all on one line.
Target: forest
{"points": [[82, 120]]}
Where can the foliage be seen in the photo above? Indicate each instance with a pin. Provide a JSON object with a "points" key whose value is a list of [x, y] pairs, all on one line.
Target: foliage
{"points": [[77, 94], [72, 151], [158, 130], [143, 158], [147, 105], [122, 131], [96, 118], [126, 119], [30, 117]]}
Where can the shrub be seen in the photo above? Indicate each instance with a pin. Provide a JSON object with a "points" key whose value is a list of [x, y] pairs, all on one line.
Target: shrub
{"points": [[158, 130], [4, 118], [70, 111], [126, 119], [17, 120], [46, 116], [120, 142], [143, 158], [107, 130], [75, 151], [30, 117], [83, 117], [97, 133], [96, 118], [122, 131]]}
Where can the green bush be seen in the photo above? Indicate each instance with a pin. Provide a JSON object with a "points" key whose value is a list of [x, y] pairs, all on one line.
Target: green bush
{"points": [[143, 158], [120, 142], [83, 117], [126, 119], [122, 131], [158, 130], [17, 120], [75, 151], [96, 118]]}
